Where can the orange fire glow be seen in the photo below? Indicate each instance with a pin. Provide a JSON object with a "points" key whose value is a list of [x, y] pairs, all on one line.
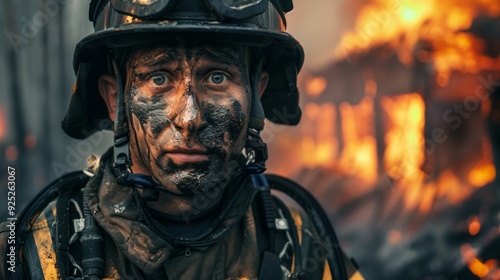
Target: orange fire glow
{"points": [[319, 146], [484, 172], [479, 269], [359, 156], [320, 142], [434, 32], [3, 121], [404, 148], [383, 137], [403, 24], [404, 141], [483, 270], [451, 188], [316, 86], [474, 226]]}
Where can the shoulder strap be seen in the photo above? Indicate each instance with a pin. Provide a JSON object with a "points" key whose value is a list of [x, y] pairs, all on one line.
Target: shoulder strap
{"points": [[293, 234], [69, 216], [270, 267], [70, 181], [318, 217], [277, 236]]}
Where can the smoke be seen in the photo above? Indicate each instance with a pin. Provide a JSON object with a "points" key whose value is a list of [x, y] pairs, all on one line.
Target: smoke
{"points": [[319, 25]]}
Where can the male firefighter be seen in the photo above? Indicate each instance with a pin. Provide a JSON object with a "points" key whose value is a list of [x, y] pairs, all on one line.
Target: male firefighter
{"points": [[185, 85]]}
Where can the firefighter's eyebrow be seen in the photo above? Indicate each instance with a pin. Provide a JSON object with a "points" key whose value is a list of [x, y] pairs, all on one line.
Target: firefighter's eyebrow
{"points": [[230, 57], [159, 58]]}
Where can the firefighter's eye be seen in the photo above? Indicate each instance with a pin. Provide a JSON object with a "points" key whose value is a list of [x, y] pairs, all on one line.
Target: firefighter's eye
{"points": [[217, 78], [158, 79]]}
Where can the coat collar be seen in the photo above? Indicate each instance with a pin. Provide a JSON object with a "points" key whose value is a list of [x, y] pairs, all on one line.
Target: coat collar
{"points": [[118, 213]]}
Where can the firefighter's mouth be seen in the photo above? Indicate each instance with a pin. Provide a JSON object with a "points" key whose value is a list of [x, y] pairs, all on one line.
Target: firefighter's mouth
{"points": [[186, 156]]}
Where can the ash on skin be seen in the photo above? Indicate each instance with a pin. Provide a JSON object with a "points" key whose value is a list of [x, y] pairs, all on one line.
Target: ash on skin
{"points": [[180, 98], [186, 97]]}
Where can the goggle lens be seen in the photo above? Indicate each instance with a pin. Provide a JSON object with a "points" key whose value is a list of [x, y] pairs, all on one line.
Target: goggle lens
{"points": [[239, 9], [234, 9], [238, 4], [142, 8]]}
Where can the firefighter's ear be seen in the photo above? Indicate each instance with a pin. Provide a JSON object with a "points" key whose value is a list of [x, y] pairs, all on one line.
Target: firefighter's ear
{"points": [[264, 79], [108, 89]]}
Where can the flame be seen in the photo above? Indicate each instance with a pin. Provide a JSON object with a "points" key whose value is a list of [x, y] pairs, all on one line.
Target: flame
{"points": [[359, 156], [474, 226], [427, 199], [342, 137], [484, 172], [404, 140], [403, 24], [483, 270], [403, 157], [319, 145], [316, 86], [478, 268], [404, 145], [451, 188]]}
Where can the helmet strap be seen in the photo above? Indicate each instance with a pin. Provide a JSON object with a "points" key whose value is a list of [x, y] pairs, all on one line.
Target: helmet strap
{"points": [[121, 153], [121, 163], [255, 150]]}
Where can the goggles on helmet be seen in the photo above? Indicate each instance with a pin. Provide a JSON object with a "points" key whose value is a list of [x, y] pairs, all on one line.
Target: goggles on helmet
{"points": [[233, 9]]}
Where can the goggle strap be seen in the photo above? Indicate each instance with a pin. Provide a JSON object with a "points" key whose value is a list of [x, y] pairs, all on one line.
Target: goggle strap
{"points": [[120, 118], [95, 8], [257, 114], [281, 11]]}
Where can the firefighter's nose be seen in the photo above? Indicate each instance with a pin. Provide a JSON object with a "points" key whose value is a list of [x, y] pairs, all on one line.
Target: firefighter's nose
{"points": [[190, 117]]}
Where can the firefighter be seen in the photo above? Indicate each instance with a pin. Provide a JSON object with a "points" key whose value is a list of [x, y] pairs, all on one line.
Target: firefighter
{"points": [[185, 86]]}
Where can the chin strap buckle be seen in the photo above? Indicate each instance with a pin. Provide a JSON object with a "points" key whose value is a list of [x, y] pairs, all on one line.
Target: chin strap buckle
{"points": [[121, 155], [121, 163], [255, 153]]}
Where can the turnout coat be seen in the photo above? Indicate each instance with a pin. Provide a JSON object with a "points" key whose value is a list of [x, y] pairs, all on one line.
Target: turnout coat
{"points": [[133, 249]]}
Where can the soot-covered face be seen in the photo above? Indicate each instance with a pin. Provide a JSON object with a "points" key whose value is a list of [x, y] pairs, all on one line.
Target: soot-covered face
{"points": [[188, 109]]}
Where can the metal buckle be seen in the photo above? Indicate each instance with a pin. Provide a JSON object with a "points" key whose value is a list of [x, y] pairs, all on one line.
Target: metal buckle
{"points": [[281, 224]]}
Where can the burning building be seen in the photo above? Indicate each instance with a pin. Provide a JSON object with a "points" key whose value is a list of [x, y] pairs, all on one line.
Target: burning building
{"points": [[396, 139]]}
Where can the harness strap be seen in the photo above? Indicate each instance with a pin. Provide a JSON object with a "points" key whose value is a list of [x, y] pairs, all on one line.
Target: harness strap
{"points": [[36, 228], [319, 219], [63, 230], [297, 264], [40, 246]]}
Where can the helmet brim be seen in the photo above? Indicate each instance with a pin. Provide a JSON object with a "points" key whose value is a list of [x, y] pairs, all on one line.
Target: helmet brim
{"points": [[137, 34]]}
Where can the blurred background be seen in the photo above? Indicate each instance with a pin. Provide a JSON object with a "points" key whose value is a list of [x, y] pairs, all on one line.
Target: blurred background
{"points": [[398, 140]]}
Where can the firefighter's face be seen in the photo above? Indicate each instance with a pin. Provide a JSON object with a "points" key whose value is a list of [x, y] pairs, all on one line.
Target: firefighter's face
{"points": [[188, 111]]}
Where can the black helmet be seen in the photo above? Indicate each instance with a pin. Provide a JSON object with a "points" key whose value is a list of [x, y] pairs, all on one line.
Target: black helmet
{"points": [[122, 23]]}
